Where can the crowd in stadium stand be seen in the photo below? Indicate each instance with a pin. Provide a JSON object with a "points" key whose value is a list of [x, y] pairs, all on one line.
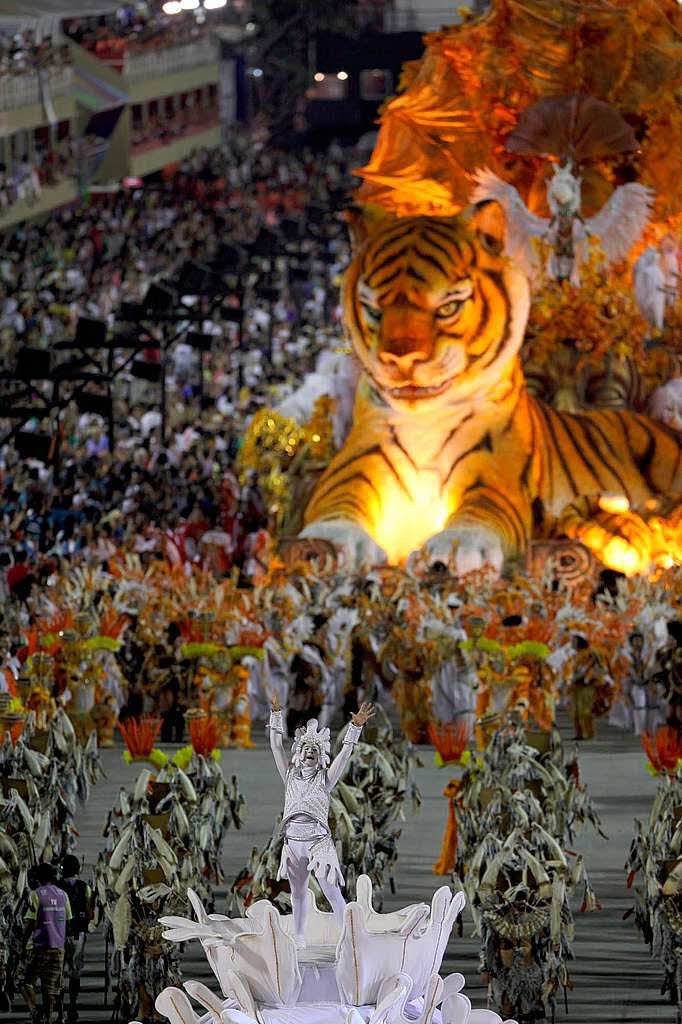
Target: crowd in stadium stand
{"points": [[162, 127], [47, 167], [131, 30], [110, 37], [21, 54], [87, 261]]}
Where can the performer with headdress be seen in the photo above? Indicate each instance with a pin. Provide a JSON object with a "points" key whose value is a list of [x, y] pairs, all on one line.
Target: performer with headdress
{"points": [[308, 780], [574, 130]]}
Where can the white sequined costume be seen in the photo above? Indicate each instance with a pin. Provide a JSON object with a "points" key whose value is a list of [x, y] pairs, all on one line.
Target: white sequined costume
{"points": [[306, 816]]}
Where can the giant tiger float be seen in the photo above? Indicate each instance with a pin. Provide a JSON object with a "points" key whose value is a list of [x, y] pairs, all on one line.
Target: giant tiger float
{"points": [[454, 456]]}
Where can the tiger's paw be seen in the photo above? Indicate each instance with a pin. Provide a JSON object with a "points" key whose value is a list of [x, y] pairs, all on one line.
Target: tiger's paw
{"points": [[355, 544], [622, 541], [320, 555], [465, 549]]}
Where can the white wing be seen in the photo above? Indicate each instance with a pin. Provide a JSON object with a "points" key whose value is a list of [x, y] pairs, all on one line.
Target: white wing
{"points": [[671, 275], [622, 220], [522, 225]]}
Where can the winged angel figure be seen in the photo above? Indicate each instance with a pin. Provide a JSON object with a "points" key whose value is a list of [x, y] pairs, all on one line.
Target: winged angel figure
{"points": [[618, 225], [574, 130]]}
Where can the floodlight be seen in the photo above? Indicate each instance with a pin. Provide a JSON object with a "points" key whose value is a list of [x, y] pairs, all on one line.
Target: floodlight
{"points": [[90, 333], [34, 446], [33, 364], [159, 299], [142, 370], [100, 405], [198, 341]]}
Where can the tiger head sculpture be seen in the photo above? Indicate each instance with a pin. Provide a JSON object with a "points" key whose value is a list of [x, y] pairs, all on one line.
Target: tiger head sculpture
{"points": [[435, 312]]}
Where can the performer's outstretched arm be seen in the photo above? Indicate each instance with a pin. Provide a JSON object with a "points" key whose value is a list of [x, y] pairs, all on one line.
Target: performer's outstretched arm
{"points": [[277, 738], [340, 762]]}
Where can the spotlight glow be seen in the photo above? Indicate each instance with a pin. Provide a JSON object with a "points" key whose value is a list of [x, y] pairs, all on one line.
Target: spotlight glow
{"points": [[214, 5], [318, 76], [342, 75], [257, 72], [189, 5], [614, 503], [172, 7]]}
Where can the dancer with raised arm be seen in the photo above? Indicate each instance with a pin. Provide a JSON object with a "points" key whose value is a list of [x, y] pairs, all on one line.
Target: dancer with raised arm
{"points": [[308, 781]]}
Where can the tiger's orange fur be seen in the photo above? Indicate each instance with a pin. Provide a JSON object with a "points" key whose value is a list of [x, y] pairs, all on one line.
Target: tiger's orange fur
{"points": [[448, 450]]}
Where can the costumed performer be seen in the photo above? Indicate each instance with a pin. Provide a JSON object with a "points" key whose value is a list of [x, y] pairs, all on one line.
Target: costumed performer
{"points": [[629, 710], [592, 689], [308, 781]]}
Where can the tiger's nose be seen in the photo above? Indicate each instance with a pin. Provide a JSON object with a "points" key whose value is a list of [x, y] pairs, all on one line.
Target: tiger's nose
{"points": [[403, 354]]}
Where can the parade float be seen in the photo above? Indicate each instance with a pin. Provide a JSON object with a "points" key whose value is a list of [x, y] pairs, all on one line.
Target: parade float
{"points": [[365, 810], [515, 274], [353, 964]]}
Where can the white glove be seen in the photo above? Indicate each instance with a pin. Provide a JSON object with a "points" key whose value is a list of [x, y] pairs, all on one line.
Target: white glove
{"points": [[352, 734], [277, 721]]}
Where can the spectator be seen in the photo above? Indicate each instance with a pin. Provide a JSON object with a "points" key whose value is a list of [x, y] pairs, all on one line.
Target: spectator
{"points": [[20, 579]]}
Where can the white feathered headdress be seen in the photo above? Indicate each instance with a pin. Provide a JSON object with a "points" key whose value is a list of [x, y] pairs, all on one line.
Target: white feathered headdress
{"points": [[311, 735]]}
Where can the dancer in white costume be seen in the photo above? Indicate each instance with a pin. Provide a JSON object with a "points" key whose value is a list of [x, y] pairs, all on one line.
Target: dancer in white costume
{"points": [[308, 781]]}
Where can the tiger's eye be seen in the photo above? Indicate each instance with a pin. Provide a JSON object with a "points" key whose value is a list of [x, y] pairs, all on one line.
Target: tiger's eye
{"points": [[372, 313], [448, 308]]}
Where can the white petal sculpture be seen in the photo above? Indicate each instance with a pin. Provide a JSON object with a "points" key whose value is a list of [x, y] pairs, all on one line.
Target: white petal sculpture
{"points": [[393, 995], [174, 1004], [382, 968], [366, 958], [396, 921], [456, 1007], [235, 989]]}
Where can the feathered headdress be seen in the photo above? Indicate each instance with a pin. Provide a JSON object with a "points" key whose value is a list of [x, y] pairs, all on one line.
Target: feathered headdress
{"points": [[311, 735]]}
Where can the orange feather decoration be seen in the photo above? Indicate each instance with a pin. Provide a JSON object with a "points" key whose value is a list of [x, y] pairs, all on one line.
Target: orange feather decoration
{"points": [[139, 734], [205, 734], [664, 749], [450, 739]]}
